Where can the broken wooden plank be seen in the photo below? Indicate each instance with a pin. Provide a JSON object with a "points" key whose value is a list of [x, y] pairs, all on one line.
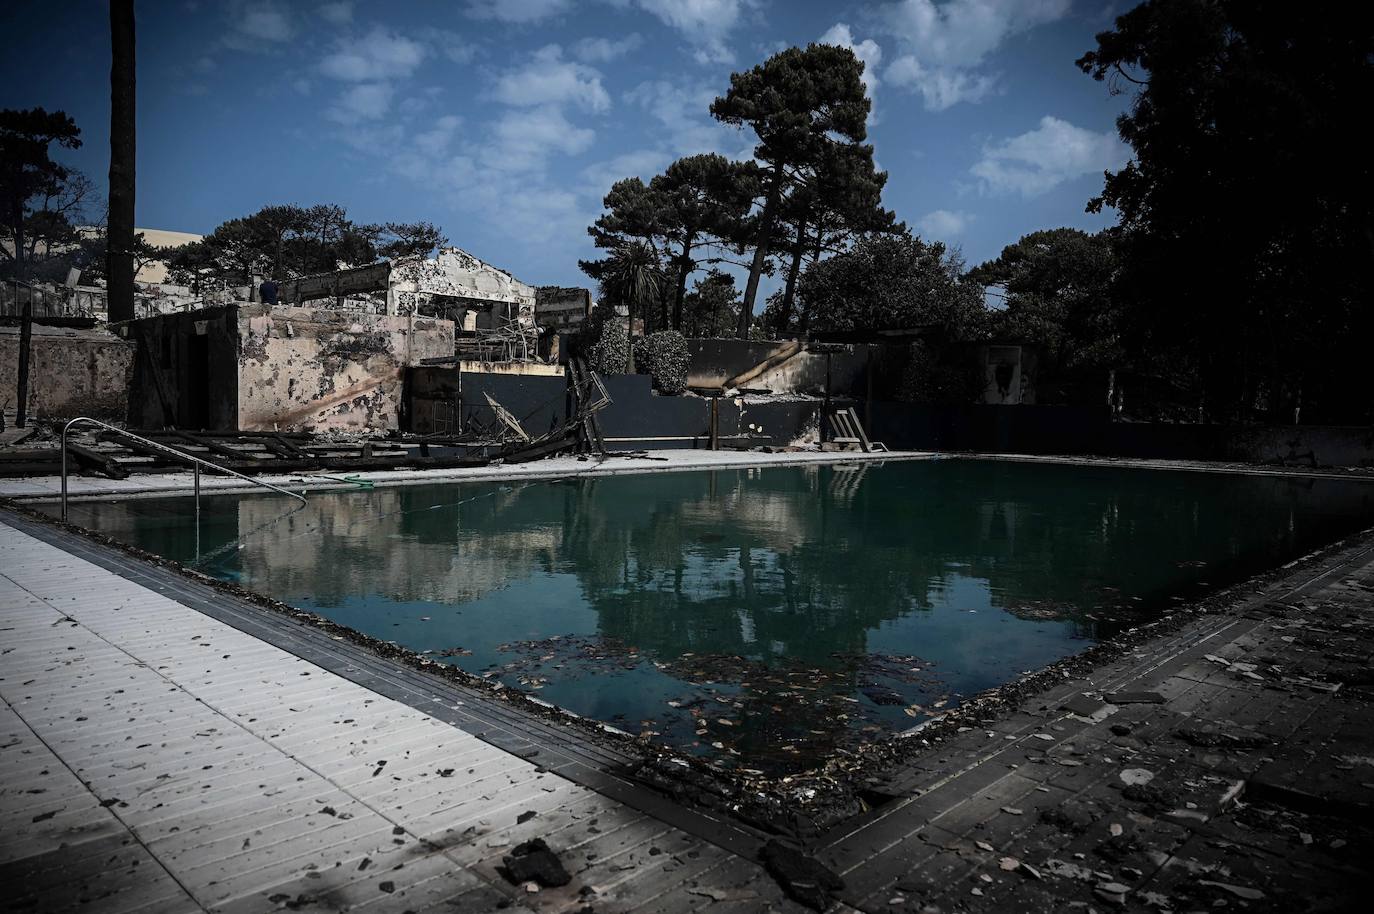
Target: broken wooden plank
{"points": [[773, 361], [211, 445], [18, 468], [859, 430], [284, 443], [96, 460]]}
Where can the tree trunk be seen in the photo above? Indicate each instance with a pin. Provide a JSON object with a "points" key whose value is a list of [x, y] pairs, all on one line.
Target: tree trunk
{"points": [[790, 290], [17, 229], [119, 237], [629, 334], [765, 235], [25, 316], [21, 414], [684, 269]]}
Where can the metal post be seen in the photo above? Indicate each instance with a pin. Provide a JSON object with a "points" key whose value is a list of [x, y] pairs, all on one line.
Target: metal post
{"points": [[64, 473], [825, 408], [25, 345], [197, 468]]}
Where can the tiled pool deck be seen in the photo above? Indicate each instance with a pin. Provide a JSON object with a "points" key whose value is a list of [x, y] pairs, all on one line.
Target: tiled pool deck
{"points": [[156, 757], [153, 758]]}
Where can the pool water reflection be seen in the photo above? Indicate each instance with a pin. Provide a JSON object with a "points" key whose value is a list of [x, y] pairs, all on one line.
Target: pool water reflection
{"points": [[763, 617]]}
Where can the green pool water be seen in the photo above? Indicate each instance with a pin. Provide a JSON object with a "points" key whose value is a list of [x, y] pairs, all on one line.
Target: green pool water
{"points": [[762, 617]]}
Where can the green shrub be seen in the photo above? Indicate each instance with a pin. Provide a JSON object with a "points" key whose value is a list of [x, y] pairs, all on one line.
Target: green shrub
{"points": [[664, 356], [610, 346]]}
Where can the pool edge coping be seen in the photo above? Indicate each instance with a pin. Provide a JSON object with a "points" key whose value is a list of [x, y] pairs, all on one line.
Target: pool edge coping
{"points": [[181, 483]]}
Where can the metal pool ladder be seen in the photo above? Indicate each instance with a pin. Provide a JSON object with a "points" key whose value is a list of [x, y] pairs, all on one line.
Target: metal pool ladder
{"points": [[195, 461]]}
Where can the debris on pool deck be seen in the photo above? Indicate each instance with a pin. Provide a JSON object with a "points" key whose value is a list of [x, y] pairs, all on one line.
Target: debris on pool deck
{"points": [[155, 758], [1227, 765]]}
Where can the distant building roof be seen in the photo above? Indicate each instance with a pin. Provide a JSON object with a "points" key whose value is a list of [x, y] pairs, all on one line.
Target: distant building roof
{"points": [[161, 238], [156, 271]]}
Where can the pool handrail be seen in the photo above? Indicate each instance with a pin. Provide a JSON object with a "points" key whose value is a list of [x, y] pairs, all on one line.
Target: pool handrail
{"points": [[196, 462]]}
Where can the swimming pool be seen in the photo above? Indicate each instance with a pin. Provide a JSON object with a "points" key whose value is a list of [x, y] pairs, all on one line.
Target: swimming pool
{"points": [[763, 617]]}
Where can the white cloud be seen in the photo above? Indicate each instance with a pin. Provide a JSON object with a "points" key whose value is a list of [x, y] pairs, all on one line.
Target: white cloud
{"points": [[867, 51], [1038, 160], [523, 140], [378, 55], [940, 88], [942, 223], [604, 50], [641, 163], [256, 24], [961, 33], [449, 43], [518, 11], [548, 79], [685, 123], [501, 163], [506, 170], [435, 141], [696, 15], [339, 13], [705, 24], [363, 102], [945, 44]]}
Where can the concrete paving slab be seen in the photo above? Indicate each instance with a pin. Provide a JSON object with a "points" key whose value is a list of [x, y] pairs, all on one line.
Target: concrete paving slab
{"points": [[212, 780]]}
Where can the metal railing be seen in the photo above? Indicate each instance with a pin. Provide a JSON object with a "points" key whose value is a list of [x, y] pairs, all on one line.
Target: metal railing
{"points": [[195, 461], [15, 293]]}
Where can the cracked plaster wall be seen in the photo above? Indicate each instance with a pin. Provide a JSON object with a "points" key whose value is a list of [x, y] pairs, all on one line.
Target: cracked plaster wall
{"points": [[329, 370], [70, 371]]}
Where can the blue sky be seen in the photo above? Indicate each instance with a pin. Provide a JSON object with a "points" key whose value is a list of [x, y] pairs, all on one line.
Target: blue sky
{"points": [[505, 121]]}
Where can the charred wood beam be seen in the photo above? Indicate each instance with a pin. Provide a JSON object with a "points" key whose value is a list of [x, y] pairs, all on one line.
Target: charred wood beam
{"points": [[95, 460], [211, 445], [18, 468]]}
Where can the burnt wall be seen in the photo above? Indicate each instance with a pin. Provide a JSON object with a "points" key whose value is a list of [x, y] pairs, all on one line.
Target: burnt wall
{"points": [[1013, 429], [325, 369], [439, 396], [711, 362], [1090, 432], [185, 372], [637, 418], [71, 372]]}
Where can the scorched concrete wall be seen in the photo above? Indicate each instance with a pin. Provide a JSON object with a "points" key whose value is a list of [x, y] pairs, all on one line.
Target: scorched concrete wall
{"points": [[70, 371], [329, 370], [711, 362], [186, 371]]}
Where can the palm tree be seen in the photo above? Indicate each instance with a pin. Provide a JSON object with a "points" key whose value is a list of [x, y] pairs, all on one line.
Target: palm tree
{"points": [[633, 276]]}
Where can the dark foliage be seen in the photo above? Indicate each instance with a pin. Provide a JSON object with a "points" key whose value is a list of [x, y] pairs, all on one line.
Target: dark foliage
{"points": [[893, 282], [288, 241], [1247, 223], [663, 356]]}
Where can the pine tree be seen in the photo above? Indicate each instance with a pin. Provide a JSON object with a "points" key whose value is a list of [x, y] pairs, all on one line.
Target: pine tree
{"points": [[801, 104]]}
